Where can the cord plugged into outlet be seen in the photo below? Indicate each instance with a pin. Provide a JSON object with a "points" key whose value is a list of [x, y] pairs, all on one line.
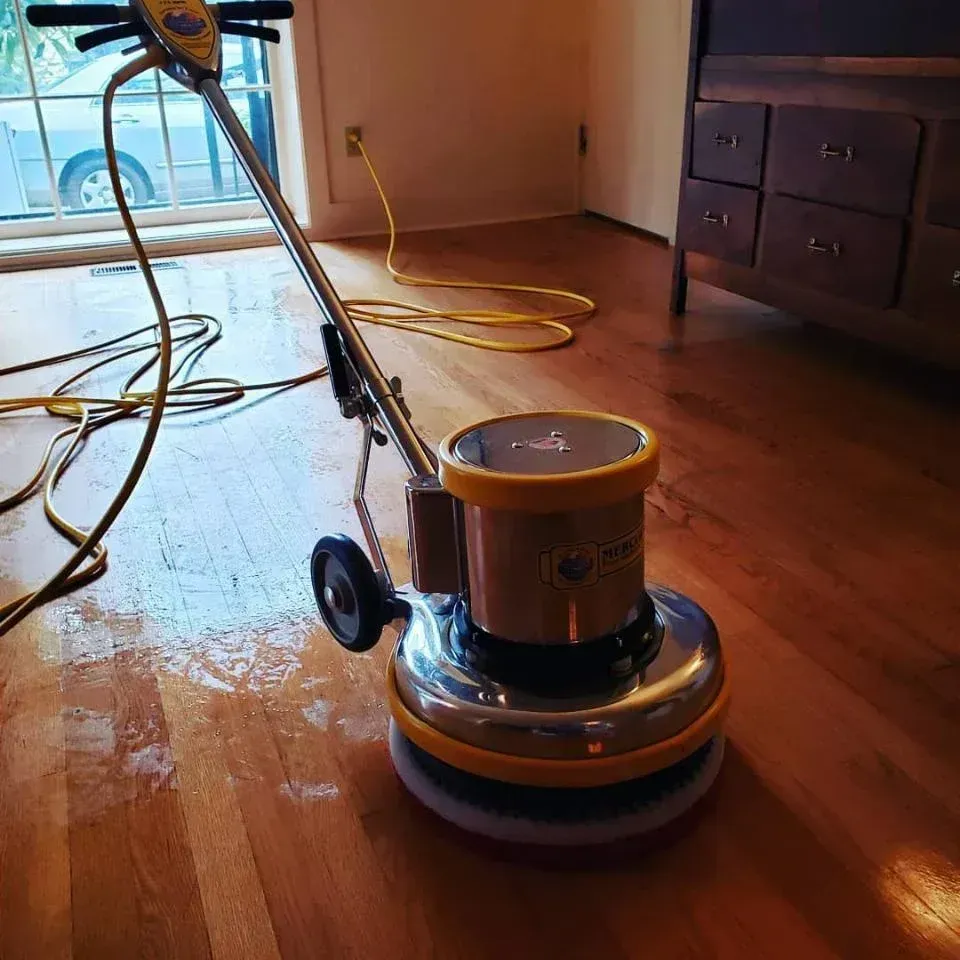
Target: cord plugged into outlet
{"points": [[352, 136]]}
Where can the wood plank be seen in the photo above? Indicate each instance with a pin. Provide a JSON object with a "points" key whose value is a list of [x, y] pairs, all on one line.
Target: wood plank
{"points": [[190, 767], [124, 798], [837, 66], [234, 908], [928, 98], [35, 909]]}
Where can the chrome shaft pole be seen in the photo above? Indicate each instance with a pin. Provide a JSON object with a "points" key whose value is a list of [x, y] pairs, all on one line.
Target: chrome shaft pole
{"points": [[418, 458]]}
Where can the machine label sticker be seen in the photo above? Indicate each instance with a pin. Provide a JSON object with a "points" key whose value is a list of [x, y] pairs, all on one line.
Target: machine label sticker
{"points": [[576, 565], [621, 553], [187, 23], [568, 566]]}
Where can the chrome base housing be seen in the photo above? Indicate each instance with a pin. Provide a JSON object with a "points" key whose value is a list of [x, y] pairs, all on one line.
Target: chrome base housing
{"points": [[440, 687]]}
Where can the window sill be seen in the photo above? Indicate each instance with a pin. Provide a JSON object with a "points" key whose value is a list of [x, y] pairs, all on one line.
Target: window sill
{"points": [[107, 245]]}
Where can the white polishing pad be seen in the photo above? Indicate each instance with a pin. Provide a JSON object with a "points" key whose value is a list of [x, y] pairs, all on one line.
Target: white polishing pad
{"points": [[644, 817]]}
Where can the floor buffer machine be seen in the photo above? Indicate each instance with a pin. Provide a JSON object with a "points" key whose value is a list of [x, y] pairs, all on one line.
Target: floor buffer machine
{"points": [[540, 690]]}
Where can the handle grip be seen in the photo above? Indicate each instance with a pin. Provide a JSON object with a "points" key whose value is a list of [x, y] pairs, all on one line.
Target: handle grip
{"points": [[75, 15], [231, 28], [97, 14], [255, 10]]}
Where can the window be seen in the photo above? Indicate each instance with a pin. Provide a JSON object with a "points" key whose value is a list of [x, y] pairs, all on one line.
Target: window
{"points": [[175, 165]]}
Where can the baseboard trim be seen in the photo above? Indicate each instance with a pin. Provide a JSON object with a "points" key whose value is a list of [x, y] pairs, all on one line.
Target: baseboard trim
{"points": [[629, 227]]}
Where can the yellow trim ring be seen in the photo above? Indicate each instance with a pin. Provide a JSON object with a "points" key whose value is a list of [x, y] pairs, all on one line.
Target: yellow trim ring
{"points": [[540, 772], [551, 493]]}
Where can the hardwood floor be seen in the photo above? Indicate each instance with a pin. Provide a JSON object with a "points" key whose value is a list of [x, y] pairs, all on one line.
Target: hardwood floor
{"points": [[190, 767]]}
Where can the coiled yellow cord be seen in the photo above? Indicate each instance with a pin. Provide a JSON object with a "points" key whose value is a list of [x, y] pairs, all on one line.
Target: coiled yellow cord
{"points": [[194, 334], [413, 317], [71, 574]]}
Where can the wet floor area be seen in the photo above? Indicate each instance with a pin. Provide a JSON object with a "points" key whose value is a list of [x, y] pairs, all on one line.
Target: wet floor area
{"points": [[190, 766]]}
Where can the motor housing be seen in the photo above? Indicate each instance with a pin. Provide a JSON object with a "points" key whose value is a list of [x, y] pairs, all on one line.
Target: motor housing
{"points": [[551, 522]]}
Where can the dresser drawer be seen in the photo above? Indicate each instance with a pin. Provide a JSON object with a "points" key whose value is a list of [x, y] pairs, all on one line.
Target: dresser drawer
{"points": [[853, 158], [728, 142], [834, 28], [855, 256], [944, 204], [933, 281], [718, 220]]}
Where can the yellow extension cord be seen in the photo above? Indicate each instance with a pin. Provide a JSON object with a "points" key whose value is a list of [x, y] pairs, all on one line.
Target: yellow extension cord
{"points": [[195, 333]]}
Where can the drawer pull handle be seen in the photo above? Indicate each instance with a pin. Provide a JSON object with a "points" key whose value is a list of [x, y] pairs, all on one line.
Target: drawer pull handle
{"points": [[732, 141], [722, 219], [815, 246], [956, 278], [826, 152]]}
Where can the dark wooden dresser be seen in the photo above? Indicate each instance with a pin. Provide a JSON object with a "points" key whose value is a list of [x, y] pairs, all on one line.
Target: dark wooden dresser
{"points": [[822, 164]]}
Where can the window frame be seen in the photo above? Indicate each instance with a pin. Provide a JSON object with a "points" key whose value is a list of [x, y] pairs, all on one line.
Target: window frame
{"points": [[279, 84]]}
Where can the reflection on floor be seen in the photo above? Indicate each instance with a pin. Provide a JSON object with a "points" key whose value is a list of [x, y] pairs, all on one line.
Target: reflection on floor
{"points": [[189, 767]]}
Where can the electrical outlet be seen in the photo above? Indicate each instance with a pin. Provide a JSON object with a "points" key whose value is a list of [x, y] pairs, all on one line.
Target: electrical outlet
{"points": [[353, 135]]}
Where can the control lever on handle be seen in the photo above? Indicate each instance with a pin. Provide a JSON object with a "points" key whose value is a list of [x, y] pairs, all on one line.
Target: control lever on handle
{"points": [[249, 30], [87, 41], [76, 14], [336, 362]]}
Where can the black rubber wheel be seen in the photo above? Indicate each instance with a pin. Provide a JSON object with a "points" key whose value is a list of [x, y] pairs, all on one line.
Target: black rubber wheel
{"points": [[351, 599]]}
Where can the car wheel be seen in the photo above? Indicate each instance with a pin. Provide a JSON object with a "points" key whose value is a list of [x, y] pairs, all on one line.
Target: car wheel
{"points": [[89, 188]]}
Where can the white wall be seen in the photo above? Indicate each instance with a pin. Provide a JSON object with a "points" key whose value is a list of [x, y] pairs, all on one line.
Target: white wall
{"points": [[470, 109], [636, 86]]}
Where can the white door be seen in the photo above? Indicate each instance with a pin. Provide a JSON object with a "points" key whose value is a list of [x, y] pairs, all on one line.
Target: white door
{"points": [[636, 89]]}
